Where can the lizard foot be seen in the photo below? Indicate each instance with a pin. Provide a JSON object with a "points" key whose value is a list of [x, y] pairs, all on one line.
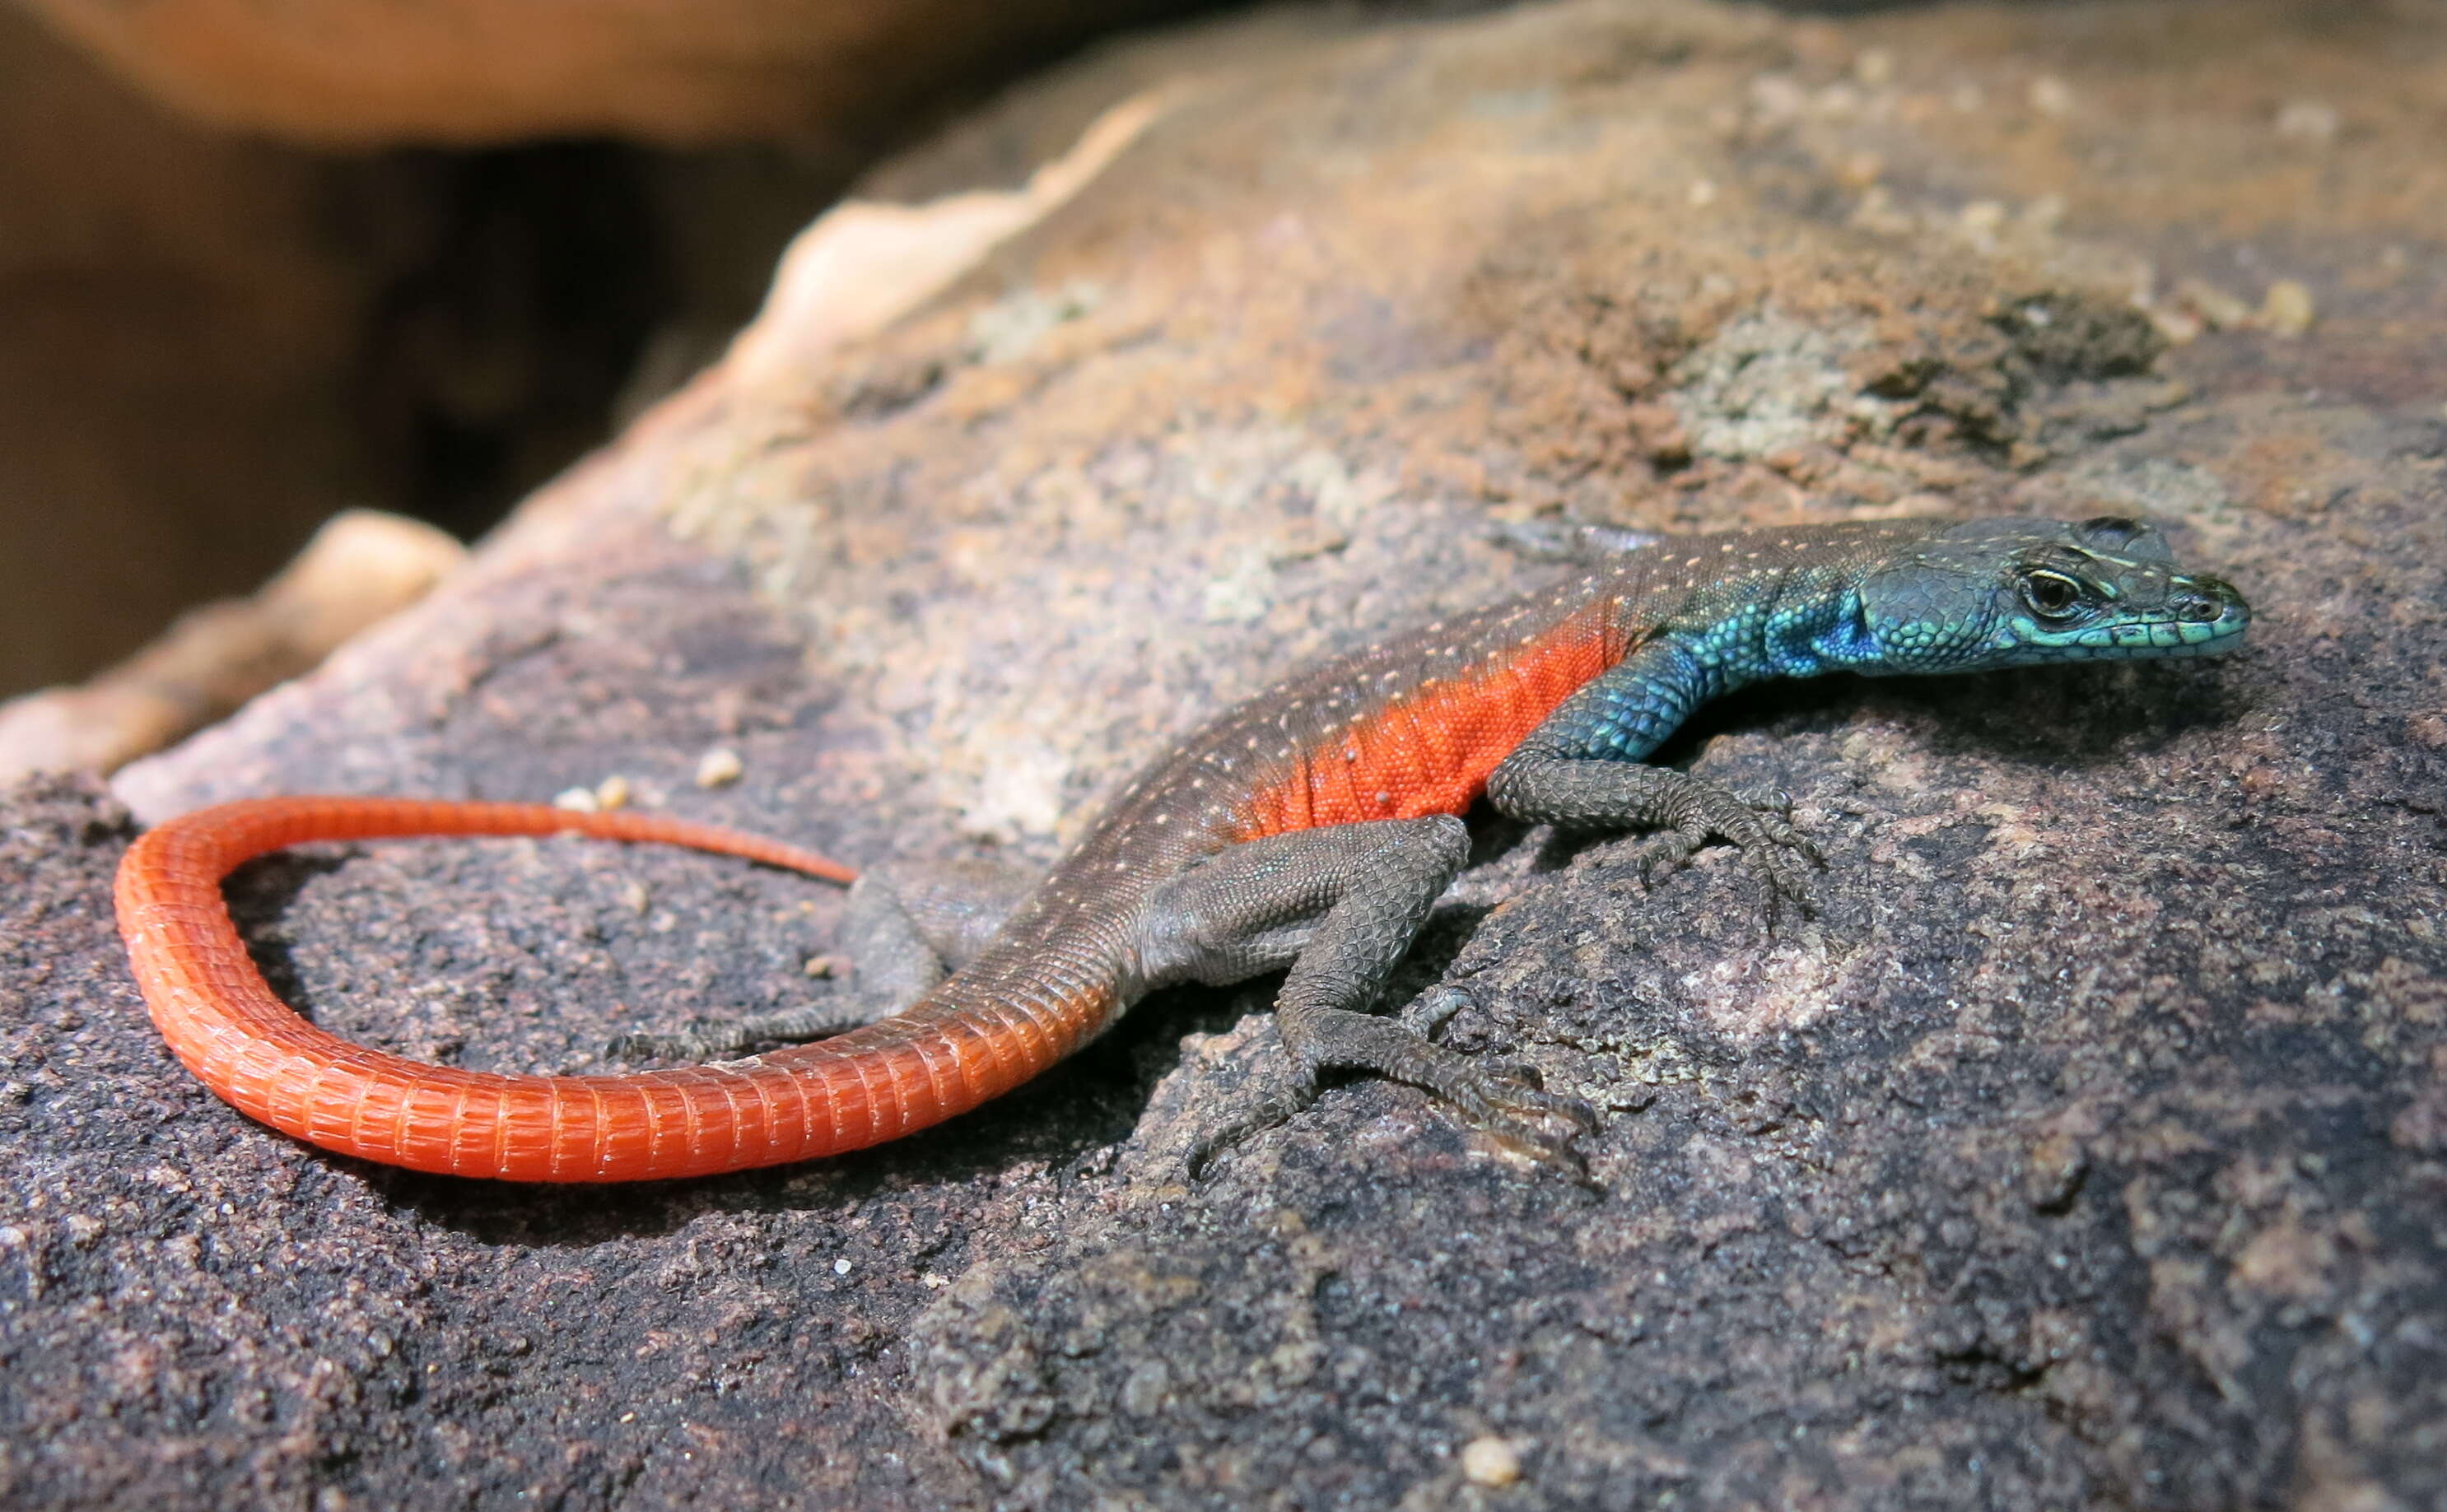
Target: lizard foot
{"points": [[1507, 1101], [1698, 810], [1272, 1111], [1510, 1101], [643, 1047], [709, 1042]]}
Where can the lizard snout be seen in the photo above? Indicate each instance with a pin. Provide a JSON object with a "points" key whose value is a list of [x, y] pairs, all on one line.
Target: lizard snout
{"points": [[2207, 600]]}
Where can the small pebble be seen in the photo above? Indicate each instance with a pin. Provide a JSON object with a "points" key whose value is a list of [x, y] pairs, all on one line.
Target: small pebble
{"points": [[822, 966], [1776, 97], [576, 800], [2180, 327], [611, 792], [719, 767], [1491, 1462], [2287, 311], [2310, 120], [2219, 309], [1981, 218]]}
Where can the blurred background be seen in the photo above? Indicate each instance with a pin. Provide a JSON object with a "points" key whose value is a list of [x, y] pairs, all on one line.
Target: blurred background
{"points": [[263, 263], [259, 263]]}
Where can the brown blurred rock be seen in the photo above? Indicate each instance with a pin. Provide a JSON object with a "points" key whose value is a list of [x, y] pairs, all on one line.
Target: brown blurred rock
{"points": [[359, 569], [209, 344], [179, 315], [2082, 1151], [467, 71]]}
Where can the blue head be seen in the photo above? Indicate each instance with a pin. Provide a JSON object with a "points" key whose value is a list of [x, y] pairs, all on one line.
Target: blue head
{"points": [[2017, 592]]}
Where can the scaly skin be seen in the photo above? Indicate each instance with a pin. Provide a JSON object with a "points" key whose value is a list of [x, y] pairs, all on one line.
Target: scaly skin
{"points": [[1310, 827]]}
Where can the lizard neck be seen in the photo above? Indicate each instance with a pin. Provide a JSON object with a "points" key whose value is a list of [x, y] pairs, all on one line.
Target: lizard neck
{"points": [[1809, 623]]}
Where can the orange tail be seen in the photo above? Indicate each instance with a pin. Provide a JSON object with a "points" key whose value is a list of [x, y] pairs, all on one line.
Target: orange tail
{"points": [[222, 1020]]}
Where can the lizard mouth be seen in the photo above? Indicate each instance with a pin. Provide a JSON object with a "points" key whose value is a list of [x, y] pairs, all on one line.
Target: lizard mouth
{"points": [[2204, 617]]}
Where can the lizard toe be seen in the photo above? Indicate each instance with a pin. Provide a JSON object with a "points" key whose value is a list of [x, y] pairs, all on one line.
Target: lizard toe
{"points": [[1510, 1099], [646, 1047], [635, 1047], [1663, 852], [1426, 1014], [1270, 1113]]}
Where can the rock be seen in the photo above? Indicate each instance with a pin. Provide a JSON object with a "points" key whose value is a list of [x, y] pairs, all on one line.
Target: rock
{"points": [[477, 70], [362, 566], [179, 325], [2085, 1149]]}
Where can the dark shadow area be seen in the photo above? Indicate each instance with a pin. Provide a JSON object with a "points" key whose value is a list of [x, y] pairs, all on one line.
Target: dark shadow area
{"points": [[491, 365], [2077, 715]]}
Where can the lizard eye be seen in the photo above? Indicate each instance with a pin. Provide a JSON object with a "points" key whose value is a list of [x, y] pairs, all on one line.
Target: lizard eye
{"points": [[2051, 596]]}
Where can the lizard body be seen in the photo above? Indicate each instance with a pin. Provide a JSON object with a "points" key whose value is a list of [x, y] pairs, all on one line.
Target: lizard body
{"points": [[1310, 827]]}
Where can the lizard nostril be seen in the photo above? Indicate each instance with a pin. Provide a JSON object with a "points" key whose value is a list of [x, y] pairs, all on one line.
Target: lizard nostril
{"points": [[2196, 608]]}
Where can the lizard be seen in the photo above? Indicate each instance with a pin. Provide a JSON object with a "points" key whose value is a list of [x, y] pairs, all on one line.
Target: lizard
{"points": [[1308, 830]]}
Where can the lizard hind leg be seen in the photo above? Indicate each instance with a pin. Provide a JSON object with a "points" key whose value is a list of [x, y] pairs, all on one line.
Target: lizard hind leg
{"points": [[1339, 907], [906, 927]]}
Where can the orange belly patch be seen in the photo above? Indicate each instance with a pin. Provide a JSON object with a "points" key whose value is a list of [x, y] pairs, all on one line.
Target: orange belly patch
{"points": [[1430, 750]]}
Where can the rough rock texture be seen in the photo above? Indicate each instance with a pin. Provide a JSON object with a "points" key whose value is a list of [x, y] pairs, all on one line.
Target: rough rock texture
{"points": [[347, 71], [2088, 1148]]}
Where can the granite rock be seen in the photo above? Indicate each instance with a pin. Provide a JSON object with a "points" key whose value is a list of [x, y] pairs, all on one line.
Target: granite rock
{"points": [[2087, 1147]]}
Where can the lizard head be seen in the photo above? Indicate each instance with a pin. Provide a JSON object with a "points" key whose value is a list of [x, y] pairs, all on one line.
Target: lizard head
{"points": [[2017, 592]]}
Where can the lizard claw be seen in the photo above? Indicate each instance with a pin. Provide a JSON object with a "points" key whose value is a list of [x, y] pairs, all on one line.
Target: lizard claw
{"points": [[641, 1047], [1663, 851], [1773, 809], [1771, 847], [1509, 1100], [1426, 1014]]}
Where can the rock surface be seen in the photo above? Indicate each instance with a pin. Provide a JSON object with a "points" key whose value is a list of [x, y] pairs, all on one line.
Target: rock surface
{"points": [[2088, 1148]]}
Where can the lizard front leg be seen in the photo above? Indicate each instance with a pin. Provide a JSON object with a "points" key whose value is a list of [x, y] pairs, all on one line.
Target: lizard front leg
{"points": [[1582, 768], [1339, 907]]}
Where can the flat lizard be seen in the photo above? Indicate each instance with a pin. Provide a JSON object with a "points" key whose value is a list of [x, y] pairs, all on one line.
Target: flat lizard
{"points": [[1309, 829]]}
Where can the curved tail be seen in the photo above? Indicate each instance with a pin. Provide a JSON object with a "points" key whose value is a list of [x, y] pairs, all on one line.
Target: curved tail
{"points": [[943, 1057]]}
